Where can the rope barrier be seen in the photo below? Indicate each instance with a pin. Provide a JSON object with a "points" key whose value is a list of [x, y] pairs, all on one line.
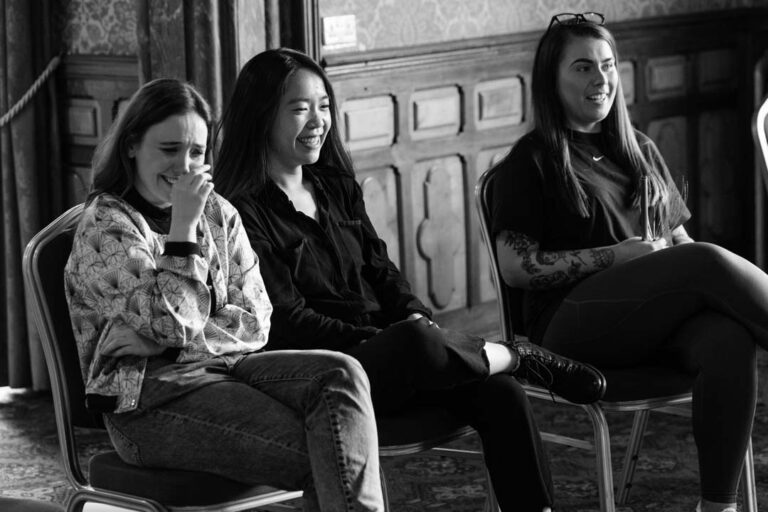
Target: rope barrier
{"points": [[15, 109]]}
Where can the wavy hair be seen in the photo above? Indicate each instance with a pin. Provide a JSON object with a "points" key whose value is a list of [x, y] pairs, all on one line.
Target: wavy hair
{"points": [[242, 137], [551, 121], [114, 171]]}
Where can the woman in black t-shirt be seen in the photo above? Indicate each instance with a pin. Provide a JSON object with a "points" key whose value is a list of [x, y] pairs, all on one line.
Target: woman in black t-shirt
{"points": [[607, 284]]}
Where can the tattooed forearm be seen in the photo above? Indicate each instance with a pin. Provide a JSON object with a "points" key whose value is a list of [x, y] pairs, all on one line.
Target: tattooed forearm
{"points": [[546, 282], [518, 242], [603, 258], [525, 265], [528, 264]]}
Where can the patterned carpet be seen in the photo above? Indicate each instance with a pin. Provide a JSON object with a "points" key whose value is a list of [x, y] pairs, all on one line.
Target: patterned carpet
{"points": [[666, 477]]}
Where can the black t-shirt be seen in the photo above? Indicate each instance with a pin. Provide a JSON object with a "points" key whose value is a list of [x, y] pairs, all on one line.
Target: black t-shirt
{"points": [[526, 200]]}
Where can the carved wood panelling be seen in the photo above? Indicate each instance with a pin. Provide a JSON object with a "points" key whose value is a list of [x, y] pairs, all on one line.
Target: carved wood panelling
{"points": [[499, 103], [720, 201], [671, 137], [96, 88], [627, 77], [717, 70], [439, 221], [667, 77], [436, 113], [84, 121], [368, 122], [382, 202]]}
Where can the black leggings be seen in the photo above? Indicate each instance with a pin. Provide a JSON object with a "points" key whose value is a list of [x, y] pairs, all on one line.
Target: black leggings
{"points": [[696, 305], [411, 362]]}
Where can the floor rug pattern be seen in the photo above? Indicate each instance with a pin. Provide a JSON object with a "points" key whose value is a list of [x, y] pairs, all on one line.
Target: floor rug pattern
{"points": [[666, 477]]}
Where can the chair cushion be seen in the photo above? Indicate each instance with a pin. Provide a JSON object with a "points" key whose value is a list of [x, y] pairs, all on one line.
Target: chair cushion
{"points": [[167, 486], [645, 382]]}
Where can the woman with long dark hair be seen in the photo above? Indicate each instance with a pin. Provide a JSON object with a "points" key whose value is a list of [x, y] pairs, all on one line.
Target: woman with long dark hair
{"points": [[282, 164], [591, 227]]}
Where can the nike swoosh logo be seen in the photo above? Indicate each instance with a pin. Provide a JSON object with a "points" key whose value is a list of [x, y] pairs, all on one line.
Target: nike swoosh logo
{"points": [[597, 158]]}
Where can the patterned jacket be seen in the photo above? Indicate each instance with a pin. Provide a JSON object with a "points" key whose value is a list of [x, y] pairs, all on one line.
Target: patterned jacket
{"points": [[206, 303]]}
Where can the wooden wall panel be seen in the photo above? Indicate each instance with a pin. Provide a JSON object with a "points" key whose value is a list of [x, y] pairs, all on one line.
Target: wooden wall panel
{"points": [[96, 88], [368, 122], [671, 136], [721, 209], [439, 222], [435, 113], [383, 204]]}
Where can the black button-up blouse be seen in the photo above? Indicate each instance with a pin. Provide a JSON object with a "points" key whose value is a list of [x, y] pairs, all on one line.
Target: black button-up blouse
{"points": [[330, 281]]}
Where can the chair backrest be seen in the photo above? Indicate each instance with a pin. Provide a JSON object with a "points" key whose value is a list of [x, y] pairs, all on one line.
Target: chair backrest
{"points": [[43, 267], [759, 132], [510, 299]]}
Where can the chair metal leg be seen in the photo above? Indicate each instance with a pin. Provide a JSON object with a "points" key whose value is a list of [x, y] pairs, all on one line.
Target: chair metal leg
{"points": [[384, 493], [748, 480], [491, 505], [84, 500], [603, 457], [633, 451]]}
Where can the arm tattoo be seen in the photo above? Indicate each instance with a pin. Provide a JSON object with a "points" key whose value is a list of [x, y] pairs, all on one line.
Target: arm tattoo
{"points": [[552, 269], [603, 258], [518, 241], [546, 282], [520, 244]]}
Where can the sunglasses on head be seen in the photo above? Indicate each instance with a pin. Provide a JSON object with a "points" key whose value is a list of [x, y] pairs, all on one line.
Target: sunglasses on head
{"points": [[573, 18]]}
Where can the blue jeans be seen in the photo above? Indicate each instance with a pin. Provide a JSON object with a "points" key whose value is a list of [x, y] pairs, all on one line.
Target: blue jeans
{"points": [[290, 419], [696, 306]]}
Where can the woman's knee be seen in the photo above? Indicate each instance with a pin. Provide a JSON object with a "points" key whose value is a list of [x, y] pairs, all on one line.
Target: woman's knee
{"points": [[343, 372], [421, 339], [710, 258]]}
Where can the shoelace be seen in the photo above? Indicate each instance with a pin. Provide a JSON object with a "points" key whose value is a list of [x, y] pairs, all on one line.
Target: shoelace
{"points": [[533, 366]]}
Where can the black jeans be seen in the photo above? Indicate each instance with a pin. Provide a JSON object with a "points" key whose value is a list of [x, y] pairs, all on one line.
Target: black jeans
{"points": [[412, 362], [695, 305]]}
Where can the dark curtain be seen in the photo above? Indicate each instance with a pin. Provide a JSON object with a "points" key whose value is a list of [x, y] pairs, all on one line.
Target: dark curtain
{"points": [[30, 184]]}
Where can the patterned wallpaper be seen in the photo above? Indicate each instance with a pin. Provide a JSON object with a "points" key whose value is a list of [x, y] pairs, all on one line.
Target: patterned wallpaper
{"points": [[397, 23], [98, 27], [109, 27]]}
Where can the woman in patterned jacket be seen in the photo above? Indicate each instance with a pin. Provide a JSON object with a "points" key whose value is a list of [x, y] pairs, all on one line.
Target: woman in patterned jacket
{"points": [[170, 314]]}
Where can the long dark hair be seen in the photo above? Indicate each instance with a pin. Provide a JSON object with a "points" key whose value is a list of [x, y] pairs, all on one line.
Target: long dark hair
{"points": [[114, 171], [551, 122], [241, 162]]}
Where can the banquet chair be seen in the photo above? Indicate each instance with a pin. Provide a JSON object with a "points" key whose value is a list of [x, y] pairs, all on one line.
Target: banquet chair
{"points": [[759, 130], [638, 390], [109, 480]]}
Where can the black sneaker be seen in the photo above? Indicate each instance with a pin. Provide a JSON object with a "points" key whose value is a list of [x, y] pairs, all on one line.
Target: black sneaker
{"points": [[579, 383]]}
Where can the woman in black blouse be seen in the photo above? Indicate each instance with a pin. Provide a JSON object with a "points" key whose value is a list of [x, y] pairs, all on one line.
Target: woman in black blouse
{"points": [[604, 285], [333, 286]]}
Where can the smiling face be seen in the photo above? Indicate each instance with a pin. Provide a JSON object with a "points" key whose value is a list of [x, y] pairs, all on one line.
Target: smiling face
{"points": [[170, 148], [586, 82], [302, 122]]}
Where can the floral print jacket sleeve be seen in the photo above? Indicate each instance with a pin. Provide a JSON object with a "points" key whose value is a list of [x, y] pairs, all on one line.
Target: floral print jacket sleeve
{"points": [[206, 301]]}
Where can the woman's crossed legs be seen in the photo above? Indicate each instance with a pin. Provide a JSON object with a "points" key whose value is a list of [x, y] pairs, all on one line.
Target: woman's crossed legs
{"points": [[694, 305]]}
